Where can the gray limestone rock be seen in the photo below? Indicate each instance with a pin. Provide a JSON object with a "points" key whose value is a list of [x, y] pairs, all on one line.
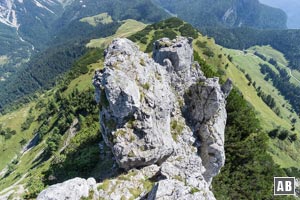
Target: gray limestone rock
{"points": [[178, 51], [177, 57], [74, 189], [174, 189], [164, 112], [136, 106], [163, 120]]}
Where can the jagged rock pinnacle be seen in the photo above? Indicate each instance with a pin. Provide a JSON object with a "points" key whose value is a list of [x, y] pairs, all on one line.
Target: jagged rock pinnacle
{"points": [[163, 109], [162, 118]]}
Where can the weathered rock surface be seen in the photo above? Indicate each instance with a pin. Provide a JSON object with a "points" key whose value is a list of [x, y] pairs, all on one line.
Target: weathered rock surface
{"points": [[74, 189], [136, 106], [163, 120], [164, 112]]}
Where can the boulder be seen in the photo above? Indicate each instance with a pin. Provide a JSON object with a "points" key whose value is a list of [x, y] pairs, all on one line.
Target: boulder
{"points": [[74, 189]]}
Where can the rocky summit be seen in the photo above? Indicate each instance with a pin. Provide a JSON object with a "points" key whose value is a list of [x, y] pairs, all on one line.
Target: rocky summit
{"points": [[163, 120]]}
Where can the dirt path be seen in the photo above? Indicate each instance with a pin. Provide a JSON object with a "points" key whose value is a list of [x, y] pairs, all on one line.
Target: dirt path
{"points": [[290, 71], [241, 53], [71, 133], [7, 191]]}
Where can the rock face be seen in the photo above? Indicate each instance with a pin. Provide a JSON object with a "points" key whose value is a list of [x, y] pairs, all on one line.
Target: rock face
{"points": [[136, 106], [74, 189], [163, 120], [163, 112]]}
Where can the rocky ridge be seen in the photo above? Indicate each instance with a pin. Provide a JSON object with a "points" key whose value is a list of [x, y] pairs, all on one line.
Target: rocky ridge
{"points": [[163, 120]]}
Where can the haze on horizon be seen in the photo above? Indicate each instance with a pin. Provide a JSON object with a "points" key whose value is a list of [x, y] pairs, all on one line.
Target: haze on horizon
{"points": [[291, 7]]}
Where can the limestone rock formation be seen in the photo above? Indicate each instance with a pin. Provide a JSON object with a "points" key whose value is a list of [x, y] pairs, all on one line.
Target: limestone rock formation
{"points": [[163, 120], [135, 106], [74, 189], [163, 112]]}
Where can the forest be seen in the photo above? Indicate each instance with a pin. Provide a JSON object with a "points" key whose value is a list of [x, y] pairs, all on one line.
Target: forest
{"points": [[285, 41], [281, 82]]}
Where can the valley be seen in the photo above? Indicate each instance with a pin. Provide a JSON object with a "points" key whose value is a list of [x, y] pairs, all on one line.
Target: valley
{"points": [[34, 162], [49, 121]]}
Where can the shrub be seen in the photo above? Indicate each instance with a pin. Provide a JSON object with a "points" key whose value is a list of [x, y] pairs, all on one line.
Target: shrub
{"points": [[283, 134], [26, 125], [188, 30], [293, 137], [34, 186], [52, 143]]}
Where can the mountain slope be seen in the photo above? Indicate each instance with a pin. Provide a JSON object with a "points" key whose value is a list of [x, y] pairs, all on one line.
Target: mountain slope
{"points": [[291, 7], [24, 29], [285, 41], [228, 13], [244, 68], [64, 35], [54, 112], [144, 11], [34, 117]]}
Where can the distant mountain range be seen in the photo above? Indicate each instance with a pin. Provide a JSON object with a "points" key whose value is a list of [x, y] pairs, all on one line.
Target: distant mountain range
{"points": [[36, 34], [33, 31], [229, 13], [291, 7], [24, 29]]}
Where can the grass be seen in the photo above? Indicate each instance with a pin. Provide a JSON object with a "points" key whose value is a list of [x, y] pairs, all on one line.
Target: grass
{"points": [[30, 163], [128, 176], [176, 129], [146, 86], [296, 74], [83, 82], [147, 184], [250, 64], [135, 192], [103, 18], [11, 147], [128, 28], [214, 61], [194, 190], [269, 53], [104, 185], [283, 152], [280, 149], [27, 161]]}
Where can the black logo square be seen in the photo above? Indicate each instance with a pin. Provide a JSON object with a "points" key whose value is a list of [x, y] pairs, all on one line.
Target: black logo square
{"points": [[284, 185]]}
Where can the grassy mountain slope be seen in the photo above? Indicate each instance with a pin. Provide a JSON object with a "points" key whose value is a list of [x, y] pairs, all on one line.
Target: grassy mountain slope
{"points": [[103, 18], [65, 35], [44, 67], [69, 103], [236, 68], [285, 41], [283, 152], [13, 50], [283, 63], [63, 153], [144, 11], [126, 29], [28, 33]]}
